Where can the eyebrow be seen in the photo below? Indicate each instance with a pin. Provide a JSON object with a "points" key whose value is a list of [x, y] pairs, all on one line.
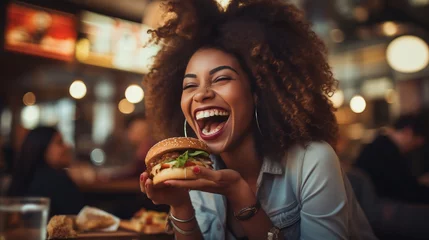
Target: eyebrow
{"points": [[213, 71], [190, 75]]}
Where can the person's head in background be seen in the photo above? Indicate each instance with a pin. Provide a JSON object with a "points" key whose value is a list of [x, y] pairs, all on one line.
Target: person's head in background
{"points": [[138, 129], [42, 147], [409, 132]]}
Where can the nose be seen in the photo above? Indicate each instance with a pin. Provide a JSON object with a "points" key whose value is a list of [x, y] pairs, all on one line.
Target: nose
{"points": [[203, 94]]}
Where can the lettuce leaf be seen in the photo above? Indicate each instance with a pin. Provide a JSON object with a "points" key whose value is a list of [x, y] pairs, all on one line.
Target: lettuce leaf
{"points": [[199, 153], [182, 159]]}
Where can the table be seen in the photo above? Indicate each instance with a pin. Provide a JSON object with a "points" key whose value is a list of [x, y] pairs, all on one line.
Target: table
{"points": [[122, 235], [122, 197]]}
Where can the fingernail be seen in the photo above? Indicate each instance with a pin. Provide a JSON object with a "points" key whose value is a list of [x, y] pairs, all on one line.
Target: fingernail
{"points": [[167, 183], [196, 170], [141, 178]]}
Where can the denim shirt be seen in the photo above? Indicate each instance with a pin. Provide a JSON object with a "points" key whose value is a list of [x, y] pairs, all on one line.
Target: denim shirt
{"points": [[305, 194]]}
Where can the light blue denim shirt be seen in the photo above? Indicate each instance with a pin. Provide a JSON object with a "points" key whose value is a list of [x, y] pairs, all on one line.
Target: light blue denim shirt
{"points": [[306, 195]]}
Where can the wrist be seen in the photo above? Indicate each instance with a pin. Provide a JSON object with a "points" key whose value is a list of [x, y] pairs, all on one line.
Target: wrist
{"points": [[183, 211], [181, 201], [241, 195]]}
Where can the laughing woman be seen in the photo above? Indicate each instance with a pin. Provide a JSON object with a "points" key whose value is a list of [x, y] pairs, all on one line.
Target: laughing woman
{"points": [[252, 82]]}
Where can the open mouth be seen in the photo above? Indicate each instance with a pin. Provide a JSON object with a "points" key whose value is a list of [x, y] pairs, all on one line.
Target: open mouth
{"points": [[211, 121]]}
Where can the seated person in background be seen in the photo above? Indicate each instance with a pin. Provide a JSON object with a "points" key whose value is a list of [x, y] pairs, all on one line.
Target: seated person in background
{"points": [[140, 137], [385, 162], [39, 172], [390, 219]]}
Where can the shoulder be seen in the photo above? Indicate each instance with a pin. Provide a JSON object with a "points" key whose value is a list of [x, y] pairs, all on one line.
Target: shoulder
{"points": [[311, 155], [320, 148], [313, 166]]}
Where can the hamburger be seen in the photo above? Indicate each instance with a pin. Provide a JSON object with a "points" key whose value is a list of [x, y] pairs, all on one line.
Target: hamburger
{"points": [[174, 158]]}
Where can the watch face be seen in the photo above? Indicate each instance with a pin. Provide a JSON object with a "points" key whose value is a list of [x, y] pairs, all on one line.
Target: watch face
{"points": [[273, 234]]}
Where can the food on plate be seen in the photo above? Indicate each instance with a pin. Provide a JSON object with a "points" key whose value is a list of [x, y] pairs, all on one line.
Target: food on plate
{"points": [[148, 222], [131, 225], [61, 226], [90, 219], [174, 158]]}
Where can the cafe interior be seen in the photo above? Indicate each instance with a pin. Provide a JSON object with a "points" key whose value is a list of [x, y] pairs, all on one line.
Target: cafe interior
{"points": [[78, 65]]}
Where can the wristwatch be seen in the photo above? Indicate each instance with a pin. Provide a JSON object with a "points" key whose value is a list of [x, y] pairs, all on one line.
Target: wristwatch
{"points": [[273, 234]]}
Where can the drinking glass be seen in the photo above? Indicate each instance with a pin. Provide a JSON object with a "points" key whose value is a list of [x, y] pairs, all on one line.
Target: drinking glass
{"points": [[23, 218]]}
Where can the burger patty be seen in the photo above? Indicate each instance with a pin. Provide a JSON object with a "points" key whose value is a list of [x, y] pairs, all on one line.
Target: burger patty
{"points": [[162, 158], [171, 157]]}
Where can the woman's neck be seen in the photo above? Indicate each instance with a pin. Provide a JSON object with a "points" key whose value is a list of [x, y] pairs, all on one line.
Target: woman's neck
{"points": [[244, 159]]}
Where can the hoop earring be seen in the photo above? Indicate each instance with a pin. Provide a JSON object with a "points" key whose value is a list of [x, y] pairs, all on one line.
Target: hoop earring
{"points": [[184, 128], [257, 121]]}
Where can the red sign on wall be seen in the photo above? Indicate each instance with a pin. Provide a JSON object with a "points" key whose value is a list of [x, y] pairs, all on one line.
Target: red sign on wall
{"points": [[40, 31]]}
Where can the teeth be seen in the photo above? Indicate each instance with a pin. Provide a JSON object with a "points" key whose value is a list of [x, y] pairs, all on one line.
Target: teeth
{"points": [[210, 113], [206, 132]]}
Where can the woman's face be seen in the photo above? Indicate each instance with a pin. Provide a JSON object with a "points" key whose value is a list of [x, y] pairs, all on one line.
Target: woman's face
{"points": [[217, 100], [58, 154]]}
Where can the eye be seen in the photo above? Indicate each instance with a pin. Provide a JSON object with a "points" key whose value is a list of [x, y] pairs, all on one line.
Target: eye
{"points": [[222, 78], [189, 85]]}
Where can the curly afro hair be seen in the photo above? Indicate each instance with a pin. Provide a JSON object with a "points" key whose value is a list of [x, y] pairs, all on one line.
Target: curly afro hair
{"points": [[284, 58]]}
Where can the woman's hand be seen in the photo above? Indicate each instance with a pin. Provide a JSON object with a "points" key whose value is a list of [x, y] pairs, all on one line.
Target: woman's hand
{"points": [[226, 182], [162, 193]]}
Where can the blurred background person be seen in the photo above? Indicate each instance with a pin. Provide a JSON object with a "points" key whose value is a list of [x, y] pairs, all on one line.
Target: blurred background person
{"points": [[385, 161], [389, 219], [39, 171], [139, 135]]}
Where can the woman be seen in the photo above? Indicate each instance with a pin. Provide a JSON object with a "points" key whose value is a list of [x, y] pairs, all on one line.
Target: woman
{"points": [[39, 171], [276, 172]]}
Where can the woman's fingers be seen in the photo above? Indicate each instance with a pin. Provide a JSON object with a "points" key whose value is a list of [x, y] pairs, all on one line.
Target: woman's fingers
{"points": [[149, 188], [143, 178], [198, 184], [206, 173], [219, 176]]}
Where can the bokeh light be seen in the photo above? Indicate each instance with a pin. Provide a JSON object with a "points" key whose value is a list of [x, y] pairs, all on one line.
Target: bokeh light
{"points": [[29, 99], [338, 98], [30, 116], [408, 54], [358, 104], [98, 157], [391, 96], [126, 107], [337, 35], [134, 93], [390, 28], [77, 89]]}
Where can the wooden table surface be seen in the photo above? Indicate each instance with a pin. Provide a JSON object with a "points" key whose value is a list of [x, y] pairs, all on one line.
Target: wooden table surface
{"points": [[29, 234], [122, 235]]}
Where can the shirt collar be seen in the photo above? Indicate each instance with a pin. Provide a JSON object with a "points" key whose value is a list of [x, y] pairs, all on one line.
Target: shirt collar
{"points": [[271, 166]]}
